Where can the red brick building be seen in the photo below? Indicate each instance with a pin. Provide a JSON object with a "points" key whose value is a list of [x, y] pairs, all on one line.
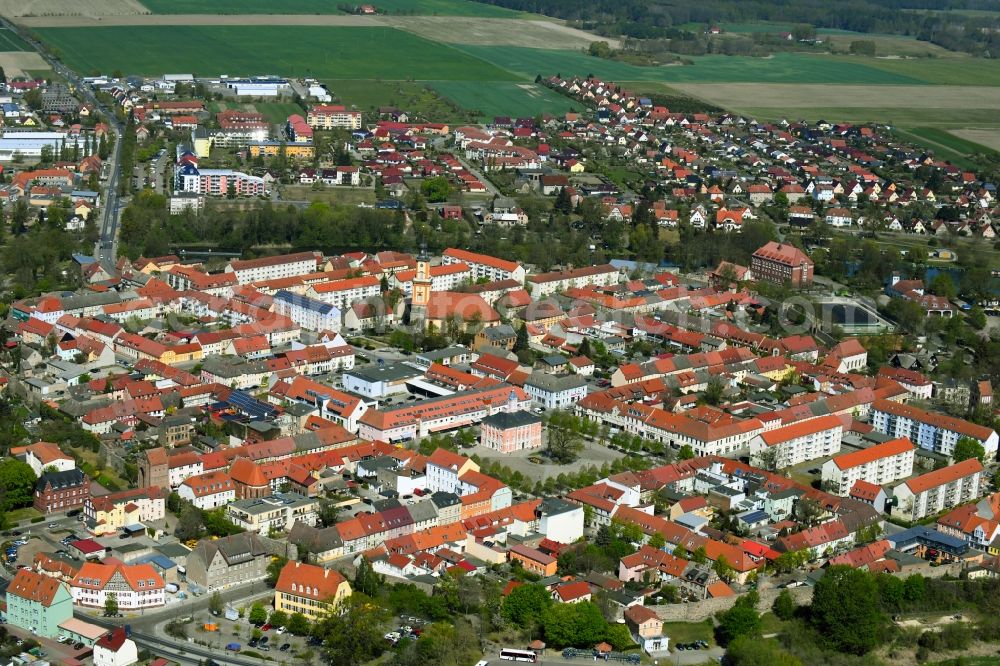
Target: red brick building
{"points": [[56, 492], [781, 263]]}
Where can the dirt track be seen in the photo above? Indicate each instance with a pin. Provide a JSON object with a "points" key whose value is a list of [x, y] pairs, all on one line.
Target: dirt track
{"points": [[56, 8], [94, 21]]}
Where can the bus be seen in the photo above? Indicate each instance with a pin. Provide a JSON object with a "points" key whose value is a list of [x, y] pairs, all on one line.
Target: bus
{"points": [[510, 654]]}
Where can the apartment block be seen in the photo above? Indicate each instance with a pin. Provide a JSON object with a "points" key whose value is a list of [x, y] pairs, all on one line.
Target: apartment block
{"points": [[796, 443], [879, 464], [941, 489], [929, 430]]}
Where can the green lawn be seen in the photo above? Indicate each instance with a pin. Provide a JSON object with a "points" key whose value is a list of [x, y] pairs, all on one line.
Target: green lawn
{"points": [[421, 7], [348, 196], [278, 112], [688, 632], [9, 41], [321, 52], [967, 661], [418, 98], [505, 98], [27, 513]]}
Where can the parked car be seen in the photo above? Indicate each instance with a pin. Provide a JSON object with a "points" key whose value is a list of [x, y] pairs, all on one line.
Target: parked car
{"points": [[285, 648], [233, 647]]}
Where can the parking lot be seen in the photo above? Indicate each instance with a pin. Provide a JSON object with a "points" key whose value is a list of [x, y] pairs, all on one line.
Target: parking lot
{"points": [[197, 627]]}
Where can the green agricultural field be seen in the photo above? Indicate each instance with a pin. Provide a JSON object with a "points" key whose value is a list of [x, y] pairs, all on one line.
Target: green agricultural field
{"points": [[278, 112], [321, 52], [9, 41], [948, 140], [780, 68], [944, 71], [911, 117], [505, 98], [422, 7], [419, 98]]}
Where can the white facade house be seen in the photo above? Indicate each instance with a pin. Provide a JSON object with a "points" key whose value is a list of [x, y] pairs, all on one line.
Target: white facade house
{"points": [[134, 587], [115, 649], [797, 442], [880, 464], [936, 491], [344, 293], [545, 284], [483, 266], [309, 313], [273, 268], [208, 491], [555, 391], [560, 520]]}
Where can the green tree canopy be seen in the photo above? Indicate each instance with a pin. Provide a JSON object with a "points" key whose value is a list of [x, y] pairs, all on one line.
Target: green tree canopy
{"points": [[966, 448], [525, 604], [354, 635], [845, 609], [17, 484], [739, 621], [574, 625]]}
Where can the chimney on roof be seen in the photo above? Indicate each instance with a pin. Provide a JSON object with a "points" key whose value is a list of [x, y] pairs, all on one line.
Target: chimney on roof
{"points": [[326, 573]]}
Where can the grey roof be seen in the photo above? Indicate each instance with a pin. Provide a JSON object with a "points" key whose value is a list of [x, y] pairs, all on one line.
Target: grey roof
{"points": [[422, 511], [68, 479], [555, 383], [447, 352], [552, 506], [392, 372], [505, 420], [314, 539], [442, 499], [501, 332], [236, 549]]}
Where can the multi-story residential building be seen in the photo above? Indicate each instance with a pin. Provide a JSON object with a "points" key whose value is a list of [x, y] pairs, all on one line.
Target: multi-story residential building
{"points": [[446, 277], [309, 589], [506, 432], [106, 514], [879, 464], [646, 628], [533, 560], [276, 513], [380, 381], [61, 491], [333, 116], [309, 313], [544, 284], [556, 391], [344, 293], [209, 490], [439, 414], [797, 442], [337, 406], [782, 263], [929, 430], [219, 182], [721, 437], [274, 268], [941, 489], [38, 603], [444, 469], [133, 586], [229, 561], [483, 266]]}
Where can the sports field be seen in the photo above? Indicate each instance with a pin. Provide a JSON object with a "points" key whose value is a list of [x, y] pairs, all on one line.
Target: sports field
{"points": [[320, 52], [505, 98], [421, 7]]}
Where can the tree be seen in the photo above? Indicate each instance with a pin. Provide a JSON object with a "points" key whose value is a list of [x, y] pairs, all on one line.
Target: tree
{"points": [[599, 50], [784, 605], [215, 604], [564, 437], [865, 47], [366, 580], [274, 568], [521, 341], [525, 605], [657, 541], [723, 569], [845, 609], [435, 189], [17, 485], [278, 618], [942, 285], [111, 605], [574, 625], [747, 651], [258, 614], [714, 391], [354, 636], [967, 447], [298, 624], [686, 452], [739, 621]]}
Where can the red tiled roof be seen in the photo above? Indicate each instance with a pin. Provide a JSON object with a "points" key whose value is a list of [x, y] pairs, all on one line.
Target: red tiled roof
{"points": [[884, 450]]}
